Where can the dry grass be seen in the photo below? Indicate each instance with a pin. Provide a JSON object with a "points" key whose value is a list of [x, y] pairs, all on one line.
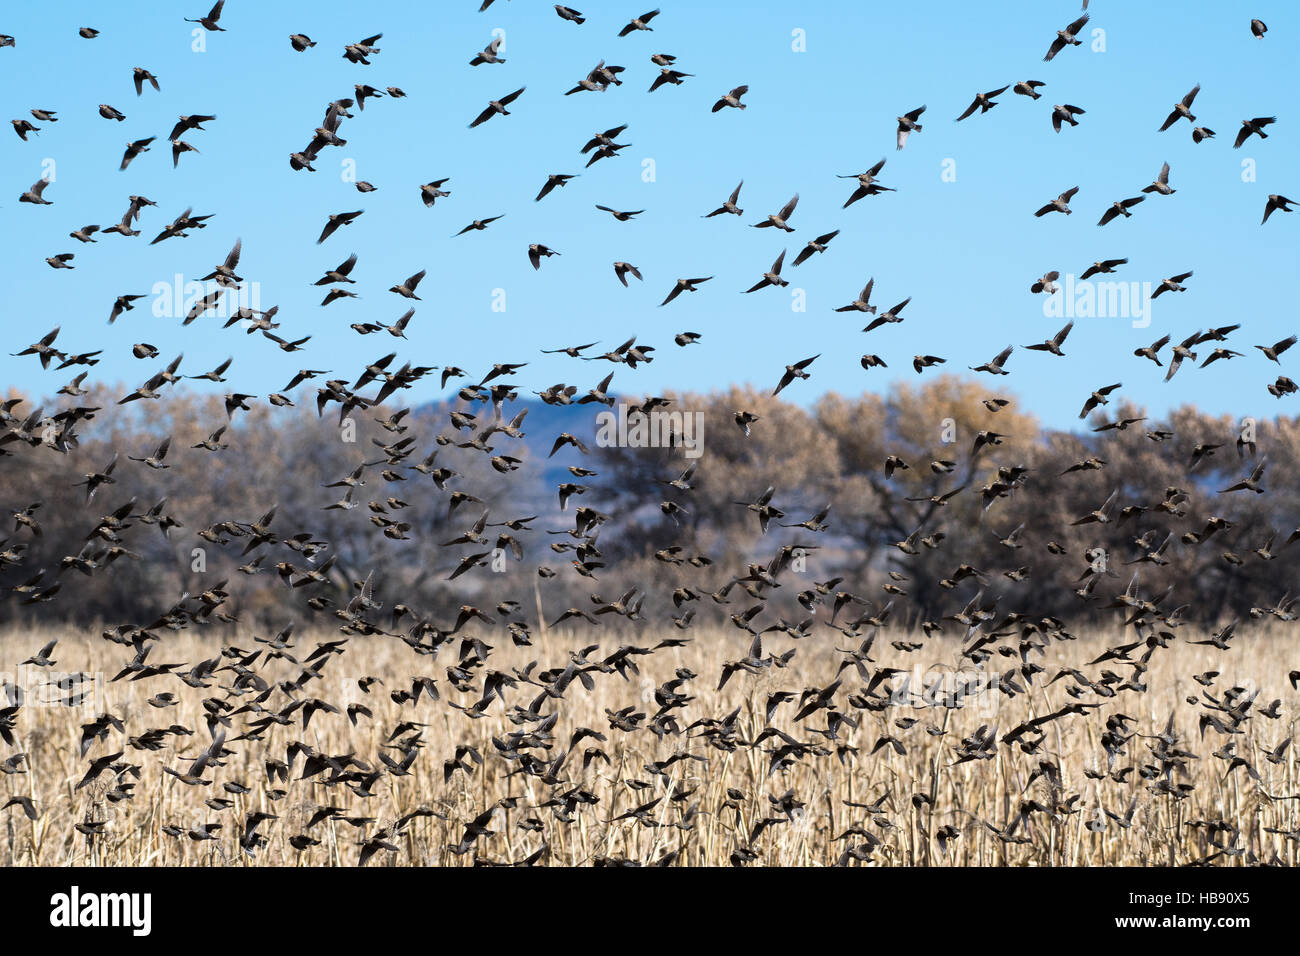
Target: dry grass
{"points": [[962, 795]]}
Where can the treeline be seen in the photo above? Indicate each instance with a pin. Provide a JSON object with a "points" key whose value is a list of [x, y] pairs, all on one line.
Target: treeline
{"points": [[408, 535]]}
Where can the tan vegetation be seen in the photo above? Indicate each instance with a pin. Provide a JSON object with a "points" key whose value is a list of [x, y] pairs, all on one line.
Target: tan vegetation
{"points": [[714, 802]]}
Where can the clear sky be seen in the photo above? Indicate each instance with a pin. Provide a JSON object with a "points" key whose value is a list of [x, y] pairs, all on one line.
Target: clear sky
{"points": [[966, 250]]}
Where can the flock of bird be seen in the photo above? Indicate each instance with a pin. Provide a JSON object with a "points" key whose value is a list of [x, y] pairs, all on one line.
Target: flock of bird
{"points": [[247, 706]]}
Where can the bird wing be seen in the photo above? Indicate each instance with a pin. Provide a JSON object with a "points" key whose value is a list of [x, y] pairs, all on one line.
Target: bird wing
{"points": [[975, 104]]}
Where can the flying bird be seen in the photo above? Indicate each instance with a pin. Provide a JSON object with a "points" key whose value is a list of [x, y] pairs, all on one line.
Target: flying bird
{"points": [[1271, 352], [478, 225], [1102, 267], [1183, 350], [497, 106], [982, 102], [772, 277], [730, 205], [552, 181], [1065, 114], [620, 216], [639, 23], [683, 285], [778, 219], [1172, 284], [489, 53], [1182, 109], [1067, 37], [537, 251], [134, 149], [1253, 127], [732, 99], [1120, 208], [867, 184], [209, 21], [623, 269], [1029, 88], [1060, 204], [335, 221], [1053, 345], [142, 76], [907, 125], [1275, 203], [797, 370], [863, 302], [815, 246]]}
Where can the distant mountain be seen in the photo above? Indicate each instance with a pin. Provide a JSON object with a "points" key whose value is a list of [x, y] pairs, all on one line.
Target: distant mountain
{"points": [[541, 427]]}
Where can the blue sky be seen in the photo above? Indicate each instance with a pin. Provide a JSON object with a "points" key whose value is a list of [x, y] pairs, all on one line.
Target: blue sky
{"points": [[965, 250]]}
